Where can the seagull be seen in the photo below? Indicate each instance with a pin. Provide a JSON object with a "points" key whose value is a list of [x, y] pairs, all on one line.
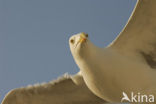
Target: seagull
{"points": [[128, 65]]}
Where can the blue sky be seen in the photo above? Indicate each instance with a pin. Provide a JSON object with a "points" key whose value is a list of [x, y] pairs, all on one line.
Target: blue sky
{"points": [[34, 36]]}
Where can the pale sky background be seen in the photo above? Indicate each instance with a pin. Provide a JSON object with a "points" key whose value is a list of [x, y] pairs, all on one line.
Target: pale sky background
{"points": [[34, 36]]}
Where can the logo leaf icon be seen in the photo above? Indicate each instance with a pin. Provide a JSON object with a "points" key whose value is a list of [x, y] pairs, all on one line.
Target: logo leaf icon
{"points": [[125, 97]]}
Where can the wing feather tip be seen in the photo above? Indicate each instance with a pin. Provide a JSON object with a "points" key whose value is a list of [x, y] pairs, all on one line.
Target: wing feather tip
{"points": [[10, 97]]}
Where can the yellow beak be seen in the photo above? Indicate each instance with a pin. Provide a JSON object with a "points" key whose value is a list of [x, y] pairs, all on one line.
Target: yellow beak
{"points": [[83, 38]]}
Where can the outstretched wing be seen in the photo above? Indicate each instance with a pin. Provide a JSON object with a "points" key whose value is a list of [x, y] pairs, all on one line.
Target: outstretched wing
{"points": [[138, 38], [67, 90]]}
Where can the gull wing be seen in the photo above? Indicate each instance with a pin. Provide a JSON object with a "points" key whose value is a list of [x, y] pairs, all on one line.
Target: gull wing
{"points": [[138, 38], [66, 90]]}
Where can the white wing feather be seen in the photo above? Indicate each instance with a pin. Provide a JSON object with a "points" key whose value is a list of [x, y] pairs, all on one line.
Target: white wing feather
{"points": [[67, 90], [138, 38]]}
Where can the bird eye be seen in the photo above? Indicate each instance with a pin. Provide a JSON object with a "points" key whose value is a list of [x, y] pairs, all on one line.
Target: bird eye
{"points": [[87, 35], [72, 41]]}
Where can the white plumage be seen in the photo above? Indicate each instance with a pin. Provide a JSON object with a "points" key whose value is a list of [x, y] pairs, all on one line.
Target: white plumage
{"points": [[127, 65]]}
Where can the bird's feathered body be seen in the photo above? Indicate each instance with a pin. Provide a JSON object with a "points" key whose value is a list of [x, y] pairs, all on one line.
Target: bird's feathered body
{"points": [[108, 74]]}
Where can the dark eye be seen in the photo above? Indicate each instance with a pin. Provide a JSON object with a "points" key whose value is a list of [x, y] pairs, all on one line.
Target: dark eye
{"points": [[72, 41], [87, 35]]}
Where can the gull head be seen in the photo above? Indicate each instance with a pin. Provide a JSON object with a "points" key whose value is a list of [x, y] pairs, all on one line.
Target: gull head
{"points": [[78, 44]]}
